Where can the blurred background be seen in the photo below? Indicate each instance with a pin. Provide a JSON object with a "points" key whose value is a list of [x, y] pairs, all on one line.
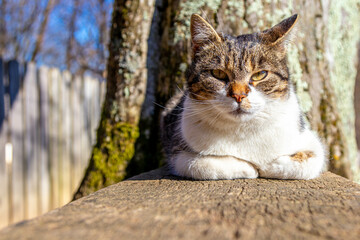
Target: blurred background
{"points": [[83, 84], [52, 66]]}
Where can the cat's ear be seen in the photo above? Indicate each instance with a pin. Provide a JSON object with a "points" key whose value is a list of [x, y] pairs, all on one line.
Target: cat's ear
{"points": [[280, 33], [202, 32]]}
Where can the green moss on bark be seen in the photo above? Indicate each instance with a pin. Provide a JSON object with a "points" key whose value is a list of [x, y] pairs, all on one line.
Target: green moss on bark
{"points": [[110, 156], [114, 153]]}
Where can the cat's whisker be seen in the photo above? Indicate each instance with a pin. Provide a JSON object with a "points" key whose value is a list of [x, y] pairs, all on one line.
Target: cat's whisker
{"points": [[181, 90], [215, 118], [191, 113], [200, 101], [203, 114], [166, 108], [159, 105]]}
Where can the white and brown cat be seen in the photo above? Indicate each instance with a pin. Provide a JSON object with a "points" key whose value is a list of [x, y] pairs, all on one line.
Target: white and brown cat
{"points": [[239, 116]]}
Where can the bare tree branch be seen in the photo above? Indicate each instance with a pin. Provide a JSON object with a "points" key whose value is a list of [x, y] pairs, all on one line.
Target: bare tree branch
{"points": [[40, 35]]}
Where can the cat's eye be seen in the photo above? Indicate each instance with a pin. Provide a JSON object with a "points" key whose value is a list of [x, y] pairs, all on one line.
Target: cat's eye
{"points": [[259, 75], [221, 75]]}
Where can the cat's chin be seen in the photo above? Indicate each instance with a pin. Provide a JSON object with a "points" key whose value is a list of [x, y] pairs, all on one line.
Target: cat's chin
{"points": [[239, 111], [240, 114]]}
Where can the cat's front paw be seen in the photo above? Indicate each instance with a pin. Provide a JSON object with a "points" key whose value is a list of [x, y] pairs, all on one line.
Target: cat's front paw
{"points": [[277, 169], [301, 165], [226, 168], [213, 167]]}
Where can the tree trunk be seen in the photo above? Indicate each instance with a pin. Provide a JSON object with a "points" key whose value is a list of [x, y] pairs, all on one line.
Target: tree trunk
{"points": [[148, 150], [357, 106], [321, 60], [126, 85]]}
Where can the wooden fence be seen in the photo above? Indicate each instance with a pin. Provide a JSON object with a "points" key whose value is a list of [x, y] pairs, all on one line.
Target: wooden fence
{"points": [[48, 122]]}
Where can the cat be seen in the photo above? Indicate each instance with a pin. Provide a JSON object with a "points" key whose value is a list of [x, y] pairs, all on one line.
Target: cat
{"points": [[239, 116]]}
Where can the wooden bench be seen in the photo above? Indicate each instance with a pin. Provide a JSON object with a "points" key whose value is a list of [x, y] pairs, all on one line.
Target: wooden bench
{"points": [[156, 205]]}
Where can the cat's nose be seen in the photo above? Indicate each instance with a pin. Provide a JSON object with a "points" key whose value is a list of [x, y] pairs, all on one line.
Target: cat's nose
{"points": [[238, 97], [238, 91]]}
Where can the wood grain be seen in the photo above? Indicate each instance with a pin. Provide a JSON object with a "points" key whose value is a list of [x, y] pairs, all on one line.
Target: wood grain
{"points": [[156, 205]]}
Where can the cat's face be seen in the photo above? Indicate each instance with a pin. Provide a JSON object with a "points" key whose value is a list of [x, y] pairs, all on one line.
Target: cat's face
{"points": [[239, 74]]}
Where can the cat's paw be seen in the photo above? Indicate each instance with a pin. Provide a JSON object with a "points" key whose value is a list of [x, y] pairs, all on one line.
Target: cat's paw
{"points": [[275, 169], [301, 165], [213, 167]]}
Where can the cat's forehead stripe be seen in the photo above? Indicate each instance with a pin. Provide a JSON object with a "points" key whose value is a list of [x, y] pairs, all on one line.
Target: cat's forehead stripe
{"points": [[240, 49]]}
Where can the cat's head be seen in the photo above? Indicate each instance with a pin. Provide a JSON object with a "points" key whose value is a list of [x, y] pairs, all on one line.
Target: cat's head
{"points": [[239, 74]]}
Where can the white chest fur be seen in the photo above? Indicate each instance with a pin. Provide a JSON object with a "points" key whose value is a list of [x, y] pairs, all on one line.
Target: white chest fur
{"points": [[267, 134]]}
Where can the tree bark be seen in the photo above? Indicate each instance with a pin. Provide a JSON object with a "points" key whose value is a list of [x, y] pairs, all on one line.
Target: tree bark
{"points": [[126, 85], [357, 106], [148, 150], [321, 61]]}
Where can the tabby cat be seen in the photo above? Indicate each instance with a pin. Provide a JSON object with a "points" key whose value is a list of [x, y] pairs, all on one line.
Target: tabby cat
{"points": [[239, 116]]}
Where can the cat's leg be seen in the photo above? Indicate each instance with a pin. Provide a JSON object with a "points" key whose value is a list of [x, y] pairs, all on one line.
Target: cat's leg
{"points": [[196, 166], [307, 161]]}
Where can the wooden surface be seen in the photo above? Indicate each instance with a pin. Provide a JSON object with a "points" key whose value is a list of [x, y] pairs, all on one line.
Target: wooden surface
{"points": [[156, 205]]}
